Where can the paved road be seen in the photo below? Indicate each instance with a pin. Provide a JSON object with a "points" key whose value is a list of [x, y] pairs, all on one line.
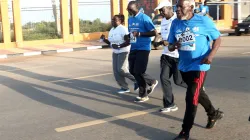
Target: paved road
{"points": [[71, 96]]}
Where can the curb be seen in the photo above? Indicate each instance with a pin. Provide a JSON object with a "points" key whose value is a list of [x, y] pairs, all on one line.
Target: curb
{"points": [[36, 53], [226, 34], [5, 56]]}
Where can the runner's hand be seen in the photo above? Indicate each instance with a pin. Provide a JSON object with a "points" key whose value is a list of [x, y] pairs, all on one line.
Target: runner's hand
{"points": [[165, 43], [102, 36], [114, 46], [178, 44], [207, 60], [135, 34]]}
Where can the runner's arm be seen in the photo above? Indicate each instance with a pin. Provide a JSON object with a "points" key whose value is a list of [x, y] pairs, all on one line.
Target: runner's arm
{"points": [[106, 41], [215, 47], [125, 44]]}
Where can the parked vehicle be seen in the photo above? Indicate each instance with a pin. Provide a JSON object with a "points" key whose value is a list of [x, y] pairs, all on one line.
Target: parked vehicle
{"points": [[157, 22], [243, 27]]}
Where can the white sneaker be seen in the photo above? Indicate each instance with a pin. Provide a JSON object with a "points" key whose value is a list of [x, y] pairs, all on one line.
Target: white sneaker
{"points": [[169, 109], [151, 88], [122, 91], [140, 100]]}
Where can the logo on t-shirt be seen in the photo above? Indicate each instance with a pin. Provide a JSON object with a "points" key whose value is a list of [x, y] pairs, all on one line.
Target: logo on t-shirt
{"points": [[178, 31], [195, 29]]}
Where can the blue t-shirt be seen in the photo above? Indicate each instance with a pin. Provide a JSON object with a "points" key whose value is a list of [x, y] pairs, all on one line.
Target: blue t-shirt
{"points": [[140, 23], [204, 9], [195, 35], [174, 8], [197, 10]]}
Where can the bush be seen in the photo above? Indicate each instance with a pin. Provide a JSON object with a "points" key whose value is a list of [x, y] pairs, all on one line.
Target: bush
{"points": [[48, 30], [87, 26], [40, 31]]}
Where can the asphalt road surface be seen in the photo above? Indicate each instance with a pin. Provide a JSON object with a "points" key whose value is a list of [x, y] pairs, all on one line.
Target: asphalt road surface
{"points": [[72, 96]]}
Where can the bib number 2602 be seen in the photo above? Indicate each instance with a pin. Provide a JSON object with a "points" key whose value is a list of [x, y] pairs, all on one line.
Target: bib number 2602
{"points": [[187, 38], [187, 42]]}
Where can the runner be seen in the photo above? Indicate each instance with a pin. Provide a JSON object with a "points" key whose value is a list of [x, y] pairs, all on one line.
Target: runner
{"points": [[121, 47], [204, 9], [197, 8], [191, 34], [169, 60], [141, 29]]}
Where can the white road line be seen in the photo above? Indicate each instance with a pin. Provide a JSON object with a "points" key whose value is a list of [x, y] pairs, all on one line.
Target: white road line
{"points": [[101, 121], [84, 77], [246, 53], [17, 69]]}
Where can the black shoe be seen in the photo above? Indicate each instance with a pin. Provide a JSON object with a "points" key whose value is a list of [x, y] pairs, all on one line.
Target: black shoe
{"points": [[136, 87], [182, 136], [151, 88], [213, 119]]}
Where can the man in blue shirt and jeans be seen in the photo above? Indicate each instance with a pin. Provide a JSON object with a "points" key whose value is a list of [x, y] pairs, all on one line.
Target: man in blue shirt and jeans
{"points": [[141, 29], [191, 34]]}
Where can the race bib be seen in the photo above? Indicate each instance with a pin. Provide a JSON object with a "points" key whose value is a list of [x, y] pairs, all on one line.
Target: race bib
{"points": [[187, 40], [204, 10], [132, 38]]}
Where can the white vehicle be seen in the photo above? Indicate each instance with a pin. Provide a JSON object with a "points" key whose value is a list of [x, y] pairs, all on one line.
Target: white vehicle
{"points": [[157, 22]]}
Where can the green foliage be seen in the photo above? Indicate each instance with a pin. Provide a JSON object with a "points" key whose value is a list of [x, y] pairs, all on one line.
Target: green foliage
{"points": [[87, 26], [40, 31], [47, 30]]}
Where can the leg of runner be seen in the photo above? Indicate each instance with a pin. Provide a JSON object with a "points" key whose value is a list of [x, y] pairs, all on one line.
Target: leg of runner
{"points": [[123, 70], [140, 68], [166, 73], [118, 77]]}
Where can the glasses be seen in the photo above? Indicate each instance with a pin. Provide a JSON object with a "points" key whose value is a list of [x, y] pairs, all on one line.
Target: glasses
{"points": [[161, 10]]}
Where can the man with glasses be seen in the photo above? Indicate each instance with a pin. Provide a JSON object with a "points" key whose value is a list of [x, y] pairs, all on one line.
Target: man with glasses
{"points": [[169, 60], [191, 34]]}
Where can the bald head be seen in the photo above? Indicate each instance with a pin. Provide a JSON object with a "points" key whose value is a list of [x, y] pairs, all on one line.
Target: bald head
{"points": [[133, 8], [185, 9]]}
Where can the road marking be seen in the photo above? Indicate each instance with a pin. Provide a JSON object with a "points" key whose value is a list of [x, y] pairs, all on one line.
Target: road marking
{"points": [[84, 77], [17, 69], [101, 121], [231, 67], [246, 53]]}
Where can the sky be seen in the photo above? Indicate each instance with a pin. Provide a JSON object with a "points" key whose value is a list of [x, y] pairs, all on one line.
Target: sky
{"points": [[87, 11]]}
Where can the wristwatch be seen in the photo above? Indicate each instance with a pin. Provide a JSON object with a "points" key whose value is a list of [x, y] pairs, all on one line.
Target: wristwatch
{"points": [[118, 46]]}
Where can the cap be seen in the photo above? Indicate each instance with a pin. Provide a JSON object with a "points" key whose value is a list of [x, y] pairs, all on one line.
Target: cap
{"points": [[162, 4]]}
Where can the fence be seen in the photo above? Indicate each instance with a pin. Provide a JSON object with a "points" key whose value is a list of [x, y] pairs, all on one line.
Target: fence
{"points": [[90, 19], [40, 23]]}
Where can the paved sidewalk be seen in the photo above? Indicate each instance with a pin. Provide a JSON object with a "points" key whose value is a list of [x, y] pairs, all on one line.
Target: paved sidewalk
{"points": [[49, 49], [60, 48]]}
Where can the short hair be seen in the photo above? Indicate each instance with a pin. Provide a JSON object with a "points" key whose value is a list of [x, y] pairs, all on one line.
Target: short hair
{"points": [[121, 17], [134, 2]]}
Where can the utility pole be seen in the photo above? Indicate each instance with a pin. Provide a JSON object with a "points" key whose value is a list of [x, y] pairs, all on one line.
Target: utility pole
{"points": [[57, 20]]}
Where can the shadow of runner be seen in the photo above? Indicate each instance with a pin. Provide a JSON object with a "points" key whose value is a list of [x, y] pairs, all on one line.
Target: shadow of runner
{"points": [[33, 93]]}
